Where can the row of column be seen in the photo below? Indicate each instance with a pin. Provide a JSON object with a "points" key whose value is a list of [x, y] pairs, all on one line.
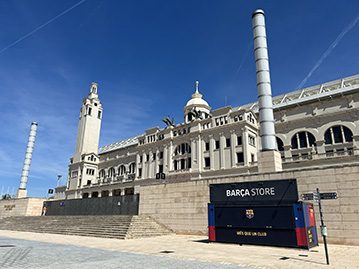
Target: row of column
{"points": [[150, 167]]}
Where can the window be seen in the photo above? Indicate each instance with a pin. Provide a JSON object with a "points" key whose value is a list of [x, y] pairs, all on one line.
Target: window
{"points": [[280, 145], [161, 155], [111, 172], [252, 158], [184, 148], [239, 140], [303, 140], [160, 168], [154, 156], [189, 117], [147, 157], [132, 168], [102, 173], [251, 140], [140, 172], [89, 110], [228, 142], [141, 159], [240, 158], [121, 170], [207, 162], [339, 134], [217, 144], [207, 145], [90, 172], [99, 114]]}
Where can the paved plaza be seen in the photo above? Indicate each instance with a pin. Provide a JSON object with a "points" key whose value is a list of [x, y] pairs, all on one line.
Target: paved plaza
{"points": [[35, 250]]}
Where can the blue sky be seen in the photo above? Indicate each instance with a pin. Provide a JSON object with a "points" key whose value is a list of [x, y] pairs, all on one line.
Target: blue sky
{"points": [[145, 57]]}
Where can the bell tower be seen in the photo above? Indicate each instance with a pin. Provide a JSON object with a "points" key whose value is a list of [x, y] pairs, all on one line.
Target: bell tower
{"points": [[88, 133], [83, 166]]}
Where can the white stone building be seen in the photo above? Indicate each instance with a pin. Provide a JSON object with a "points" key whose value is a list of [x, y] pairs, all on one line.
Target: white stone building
{"points": [[316, 126]]}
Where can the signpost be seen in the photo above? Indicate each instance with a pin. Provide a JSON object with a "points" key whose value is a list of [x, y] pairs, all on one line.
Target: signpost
{"points": [[317, 197]]}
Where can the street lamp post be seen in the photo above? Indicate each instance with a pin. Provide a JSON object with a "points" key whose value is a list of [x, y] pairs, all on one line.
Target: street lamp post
{"points": [[58, 179]]}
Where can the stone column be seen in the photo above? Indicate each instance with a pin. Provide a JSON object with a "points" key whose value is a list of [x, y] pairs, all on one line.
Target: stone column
{"points": [[222, 141], [156, 161], [170, 154], [194, 154], [144, 173], [211, 149], [233, 148], [287, 152], [137, 165], [199, 153], [150, 164], [245, 145], [320, 147], [165, 159]]}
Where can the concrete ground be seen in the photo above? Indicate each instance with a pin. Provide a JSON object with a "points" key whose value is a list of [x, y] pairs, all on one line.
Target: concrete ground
{"points": [[188, 251]]}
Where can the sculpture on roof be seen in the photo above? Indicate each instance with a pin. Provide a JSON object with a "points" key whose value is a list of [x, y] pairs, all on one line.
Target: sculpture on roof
{"points": [[169, 122], [196, 114]]}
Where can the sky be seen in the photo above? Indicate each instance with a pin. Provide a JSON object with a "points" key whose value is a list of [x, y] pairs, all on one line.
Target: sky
{"points": [[145, 57]]}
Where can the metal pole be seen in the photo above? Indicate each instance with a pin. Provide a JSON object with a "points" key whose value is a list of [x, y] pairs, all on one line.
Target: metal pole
{"points": [[322, 226], [58, 179]]}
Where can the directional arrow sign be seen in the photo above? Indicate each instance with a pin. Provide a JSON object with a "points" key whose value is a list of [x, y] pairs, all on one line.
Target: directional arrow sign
{"points": [[329, 195]]}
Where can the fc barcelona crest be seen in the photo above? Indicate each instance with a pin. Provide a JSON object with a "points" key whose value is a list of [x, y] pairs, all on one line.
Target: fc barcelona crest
{"points": [[249, 213]]}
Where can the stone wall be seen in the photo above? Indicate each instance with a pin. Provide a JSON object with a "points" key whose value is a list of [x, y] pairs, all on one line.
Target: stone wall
{"points": [[21, 207], [182, 206]]}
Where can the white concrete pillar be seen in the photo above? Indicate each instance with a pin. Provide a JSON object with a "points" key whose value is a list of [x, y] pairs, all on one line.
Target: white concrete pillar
{"points": [[222, 142], [170, 154], [233, 148], [211, 149], [165, 159]]}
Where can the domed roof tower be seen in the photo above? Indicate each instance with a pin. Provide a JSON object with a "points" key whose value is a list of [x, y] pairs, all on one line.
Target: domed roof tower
{"points": [[196, 108]]}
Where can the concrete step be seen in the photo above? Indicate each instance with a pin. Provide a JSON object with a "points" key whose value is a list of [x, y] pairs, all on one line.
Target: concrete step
{"points": [[121, 227]]}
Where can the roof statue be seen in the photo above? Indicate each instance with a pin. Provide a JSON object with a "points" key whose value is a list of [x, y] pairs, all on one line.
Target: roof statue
{"points": [[196, 114], [169, 122]]}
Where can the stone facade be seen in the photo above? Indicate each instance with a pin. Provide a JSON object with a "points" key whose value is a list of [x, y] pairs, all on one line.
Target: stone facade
{"points": [[182, 206], [21, 207], [317, 132]]}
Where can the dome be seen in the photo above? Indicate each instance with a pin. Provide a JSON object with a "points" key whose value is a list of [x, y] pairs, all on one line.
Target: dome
{"points": [[197, 100]]}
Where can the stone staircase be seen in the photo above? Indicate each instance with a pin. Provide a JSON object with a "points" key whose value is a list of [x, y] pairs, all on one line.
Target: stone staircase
{"points": [[121, 226]]}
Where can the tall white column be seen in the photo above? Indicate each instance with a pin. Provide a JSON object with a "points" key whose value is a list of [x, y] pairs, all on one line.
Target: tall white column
{"points": [[199, 154], [265, 104], [211, 149], [222, 141], [233, 148], [27, 162], [165, 159]]}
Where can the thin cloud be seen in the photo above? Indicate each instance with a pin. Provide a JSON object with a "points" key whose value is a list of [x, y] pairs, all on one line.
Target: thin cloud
{"points": [[329, 50], [41, 26], [244, 59]]}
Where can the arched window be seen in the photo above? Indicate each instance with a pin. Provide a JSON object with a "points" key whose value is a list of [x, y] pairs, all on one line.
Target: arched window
{"points": [[303, 140], [132, 168], [182, 149], [102, 173], [337, 135], [111, 172], [280, 144], [121, 170]]}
